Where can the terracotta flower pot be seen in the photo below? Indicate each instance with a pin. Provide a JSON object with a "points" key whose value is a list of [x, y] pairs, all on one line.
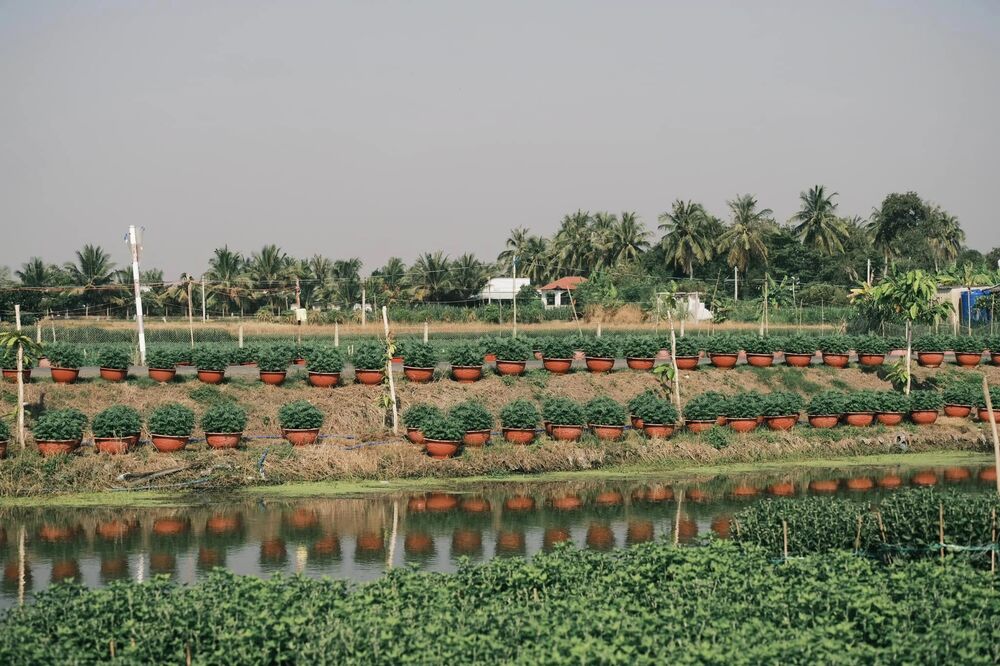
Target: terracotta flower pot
{"points": [[298, 360], [476, 505], [658, 430], [700, 426], [859, 419], [113, 374], [824, 486], [930, 359], [636, 422], [957, 474], [860, 484], [57, 447], [599, 365], [687, 362], [300, 436], [557, 366], [519, 503], [824, 421], [798, 360], [513, 368], [466, 374], [567, 502], [418, 375], [987, 475], [890, 481], [836, 360], [170, 526], [967, 360], [984, 414], [368, 377], [223, 440], [169, 443], [415, 435], [211, 376], [744, 490], [222, 524], [441, 502], [871, 360], [924, 478], [724, 361], [994, 358], [519, 435], [162, 375], [10, 376], [440, 449], [743, 425], [783, 489], [273, 378], [957, 411], [924, 416], [489, 358], [476, 438], [65, 375], [607, 433], [890, 418], [324, 379], [566, 433], [781, 422], [112, 445], [113, 530], [640, 363], [760, 360]]}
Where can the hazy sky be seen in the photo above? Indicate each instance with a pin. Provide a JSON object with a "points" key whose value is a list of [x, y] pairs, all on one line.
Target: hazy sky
{"points": [[374, 128]]}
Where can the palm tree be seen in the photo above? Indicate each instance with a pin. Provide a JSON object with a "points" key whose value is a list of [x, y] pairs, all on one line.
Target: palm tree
{"points": [[93, 269], [628, 239], [347, 281], [429, 276], [686, 239], [514, 246], [534, 263], [944, 235], [319, 284], [745, 237], [572, 246], [467, 275], [270, 270], [818, 224], [227, 270], [34, 273], [898, 214], [390, 280]]}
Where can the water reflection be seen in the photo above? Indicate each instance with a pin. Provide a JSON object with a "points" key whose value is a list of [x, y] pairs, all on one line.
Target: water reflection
{"points": [[357, 538]]}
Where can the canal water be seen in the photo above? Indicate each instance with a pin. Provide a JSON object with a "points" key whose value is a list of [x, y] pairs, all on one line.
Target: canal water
{"points": [[357, 538]]}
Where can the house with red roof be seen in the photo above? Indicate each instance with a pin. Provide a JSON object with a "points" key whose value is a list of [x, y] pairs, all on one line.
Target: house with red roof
{"points": [[557, 294]]}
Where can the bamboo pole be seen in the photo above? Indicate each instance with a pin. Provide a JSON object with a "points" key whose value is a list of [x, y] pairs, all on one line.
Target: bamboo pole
{"points": [[388, 372], [20, 380], [784, 532], [993, 429], [677, 374], [941, 528]]}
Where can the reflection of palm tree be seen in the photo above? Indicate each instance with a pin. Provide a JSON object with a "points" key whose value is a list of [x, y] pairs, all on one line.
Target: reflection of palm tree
{"points": [[818, 224], [745, 237], [429, 276], [686, 240]]}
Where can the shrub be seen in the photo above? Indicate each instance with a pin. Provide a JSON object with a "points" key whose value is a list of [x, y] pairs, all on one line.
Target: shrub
{"points": [[800, 344], [4, 431], [744, 405], [465, 355], [687, 346], [557, 348], [117, 421], [209, 357], [891, 402], [246, 354], [657, 412], [301, 350], [182, 354], [369, 355], [442, 428], [300, 415], [114, 357], [65, 356], [171, 419], [419, 355], [967, 344], [896, 342], [871, 344], [835, 344], [925, 400], [826, 403], [961, 393], [273, 359], [471, 415], [605, 411], [488, 344], [326, 359], [640, 346], [636, 402], [519, 414], [225, 417], [757, 344], [994, 398], [603, 347], [722, 343], [417, 414], [993, 344], [706, 406], [563, 411], [513, 349], [861, 401], [931, 343], [161, 358], [782, 403], [60, 424], [8, 360]]}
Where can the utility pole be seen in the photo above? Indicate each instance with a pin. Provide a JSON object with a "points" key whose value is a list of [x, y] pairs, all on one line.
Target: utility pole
{"points": [[204, 317], [134, 244], [298, 306], [513, 275], [190, 313], [736, 283]]}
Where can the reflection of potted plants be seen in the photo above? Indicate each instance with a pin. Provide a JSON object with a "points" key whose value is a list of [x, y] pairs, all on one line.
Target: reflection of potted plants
{"points": [[959, 398], [414, 418], [442, 436], [723, 350], [211, 362], [930, 350], [161, 364], [924, 406], [836, 350], [419, 360], [518, 420], [300, 422], [743, 409], [273, 364], [606, 418], [476, 422], [968, 350], [59, 431], [565, 418], [702, 412], [799, 351], [557, 355], [860, 408], [891, 407], [512, 355], [982, 412], [116, 429], [640, 351], [871, 350], [658, 417], [688, 353], [113, 362], [170, 427], [825, 409], [66, 361], [369, 362], [781, 410], [8, 363], [223, 425], [759, 350], [599, 354], [466, 363], [325, 364]]}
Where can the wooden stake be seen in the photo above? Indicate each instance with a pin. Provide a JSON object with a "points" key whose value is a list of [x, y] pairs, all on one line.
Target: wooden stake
{"points": [[677, 374], [993, 542], [941, 528], [20, 566], [20, 380], [336, 334], [857, 536], [784, 531], [426, 332], [993, 429], [677, 518], [388, 372], [909, 353], [241, 336], [392, 537]]}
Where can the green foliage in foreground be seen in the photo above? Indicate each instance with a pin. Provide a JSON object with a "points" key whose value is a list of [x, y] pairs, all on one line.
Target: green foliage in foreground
{"points": [[649, 604]]}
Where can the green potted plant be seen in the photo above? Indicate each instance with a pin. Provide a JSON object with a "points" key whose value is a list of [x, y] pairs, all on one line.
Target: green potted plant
{"points": [[512, 355], [959, 398], [860, 408], [442, 436], [246, 355], [211, 361], [273, 364], [557, 355], [723, 350], [606, 418], [688, 353], [799, 350], [658, 416], [183, 354], [4, 438], [702, 412], [59, 431], [759, 350], [968, 350], [170, 427], [982, 411], [743, 410], [324, 365], [892, 406], [599, 353], [930, 350], [8, 363], [924, 406], [993, 345], [781, 409], [419, 360], [223, 425], [161, 364], [871, 350], [466, 363], [116, 429], [518, 420], [476, 421], [825, 409], [565, 417], [113, 362], [836, 350], [488, 346], [414, 418], [65, 361], [369, 362], [300, 421], [640, 351], [300, 352], [635, 403]]}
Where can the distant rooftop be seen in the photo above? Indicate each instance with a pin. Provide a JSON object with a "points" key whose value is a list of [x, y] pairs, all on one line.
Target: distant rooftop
{"points": [[568, 283]]}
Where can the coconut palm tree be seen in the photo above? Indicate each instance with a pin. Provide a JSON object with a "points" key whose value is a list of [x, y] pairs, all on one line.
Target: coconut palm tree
{"points": [[92, 270], [572, 245], [818, 225], [429, 276], [626, 240], [270, 272], [467, 276], [390, 280], [944, 235], [745, 238], [347, 281], [514, 246], [34, 273], [687, 240], [227, 272]]}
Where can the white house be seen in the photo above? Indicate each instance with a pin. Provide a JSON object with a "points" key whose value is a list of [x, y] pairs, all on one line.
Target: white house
{"points": [[502, 289], [557, 294]]}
